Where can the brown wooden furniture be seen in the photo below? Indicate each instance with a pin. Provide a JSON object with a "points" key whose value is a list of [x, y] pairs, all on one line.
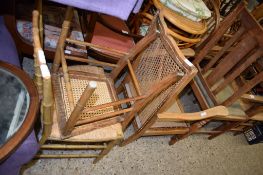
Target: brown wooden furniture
{"points": [[22, 122], [102, 138], [159, 59], [163, 114], [97, 34], [258, 13], [185, 31], [220, 80]]}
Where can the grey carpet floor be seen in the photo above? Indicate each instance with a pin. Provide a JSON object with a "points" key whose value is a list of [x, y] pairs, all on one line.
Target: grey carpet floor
{"points": [[195, 155]]}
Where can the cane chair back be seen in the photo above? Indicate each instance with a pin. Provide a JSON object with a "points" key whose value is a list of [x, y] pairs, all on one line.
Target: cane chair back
{"points": [[152, 67], [103, 138]]}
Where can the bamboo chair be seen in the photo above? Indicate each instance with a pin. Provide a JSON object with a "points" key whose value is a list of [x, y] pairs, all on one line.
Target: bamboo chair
{"points": [[220, 81], [103, 138]]}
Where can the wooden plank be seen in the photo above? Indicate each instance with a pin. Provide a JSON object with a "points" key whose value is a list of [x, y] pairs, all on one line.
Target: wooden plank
{"points": [[86, 60]]}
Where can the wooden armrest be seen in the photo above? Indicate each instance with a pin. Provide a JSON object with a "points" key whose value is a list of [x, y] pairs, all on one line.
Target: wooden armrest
{"points": [[252, 98], [209, 113]]}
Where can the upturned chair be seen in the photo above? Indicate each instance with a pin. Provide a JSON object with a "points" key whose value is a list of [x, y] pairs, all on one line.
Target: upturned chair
{"points": [[101, 138], [220, 79], [152, 66]]}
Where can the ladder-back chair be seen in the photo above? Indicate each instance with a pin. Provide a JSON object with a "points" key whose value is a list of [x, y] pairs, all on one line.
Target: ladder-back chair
{"points": [[220, 80]]}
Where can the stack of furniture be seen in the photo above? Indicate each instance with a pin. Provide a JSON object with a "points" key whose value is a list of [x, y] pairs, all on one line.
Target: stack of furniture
{"points": [[87, 103], [187, 21]]}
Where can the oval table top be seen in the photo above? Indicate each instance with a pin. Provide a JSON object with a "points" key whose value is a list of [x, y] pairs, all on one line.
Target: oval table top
{"points": [[18, 107]]}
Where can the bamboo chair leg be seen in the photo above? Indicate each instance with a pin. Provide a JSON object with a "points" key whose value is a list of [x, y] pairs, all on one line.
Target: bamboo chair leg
{"points": [[106, 150], [41, 31], [194, 128], [62, 38], [79, 107]]}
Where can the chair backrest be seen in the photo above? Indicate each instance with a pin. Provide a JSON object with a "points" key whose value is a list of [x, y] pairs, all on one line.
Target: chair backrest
{"points": [[233, 48], [153, 66], [42, 79]]}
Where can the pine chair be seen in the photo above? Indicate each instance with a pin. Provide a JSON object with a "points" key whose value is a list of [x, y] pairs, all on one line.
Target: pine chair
{"points": [[101, 138], [220, 80]]}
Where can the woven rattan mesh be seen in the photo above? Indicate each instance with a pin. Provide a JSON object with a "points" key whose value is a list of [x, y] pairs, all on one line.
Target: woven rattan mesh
{"points": [[100, 96], [155, 64]]}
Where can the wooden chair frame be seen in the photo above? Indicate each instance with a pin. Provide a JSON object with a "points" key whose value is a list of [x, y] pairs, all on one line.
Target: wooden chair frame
{"points": [[249, 49]]}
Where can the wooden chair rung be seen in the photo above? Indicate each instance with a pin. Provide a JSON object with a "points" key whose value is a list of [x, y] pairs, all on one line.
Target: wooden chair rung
{"points": [[82, 43], [87, 60], [74, 147], [64, 156]]}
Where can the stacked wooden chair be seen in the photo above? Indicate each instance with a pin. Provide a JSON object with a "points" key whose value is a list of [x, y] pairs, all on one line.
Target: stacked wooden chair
{"points": [[220, 79], [187, 32]]}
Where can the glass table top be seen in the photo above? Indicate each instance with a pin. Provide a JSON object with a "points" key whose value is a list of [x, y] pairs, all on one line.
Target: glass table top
{"points": [[14, 104]]}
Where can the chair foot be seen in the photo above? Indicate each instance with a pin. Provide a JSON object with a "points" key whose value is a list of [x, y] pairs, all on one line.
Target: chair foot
{"points": [[124, 143], [211, 137], [173, 140]]}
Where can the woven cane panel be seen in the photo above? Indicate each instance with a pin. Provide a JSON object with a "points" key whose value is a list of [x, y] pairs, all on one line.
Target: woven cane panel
{"points": [[100, 96], [152, 107], [154, 65]]}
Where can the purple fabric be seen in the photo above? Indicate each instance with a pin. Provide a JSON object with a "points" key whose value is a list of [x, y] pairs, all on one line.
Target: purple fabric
{"points": [[25, 152], [137, 6], [8, 52], [117, 8]]}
